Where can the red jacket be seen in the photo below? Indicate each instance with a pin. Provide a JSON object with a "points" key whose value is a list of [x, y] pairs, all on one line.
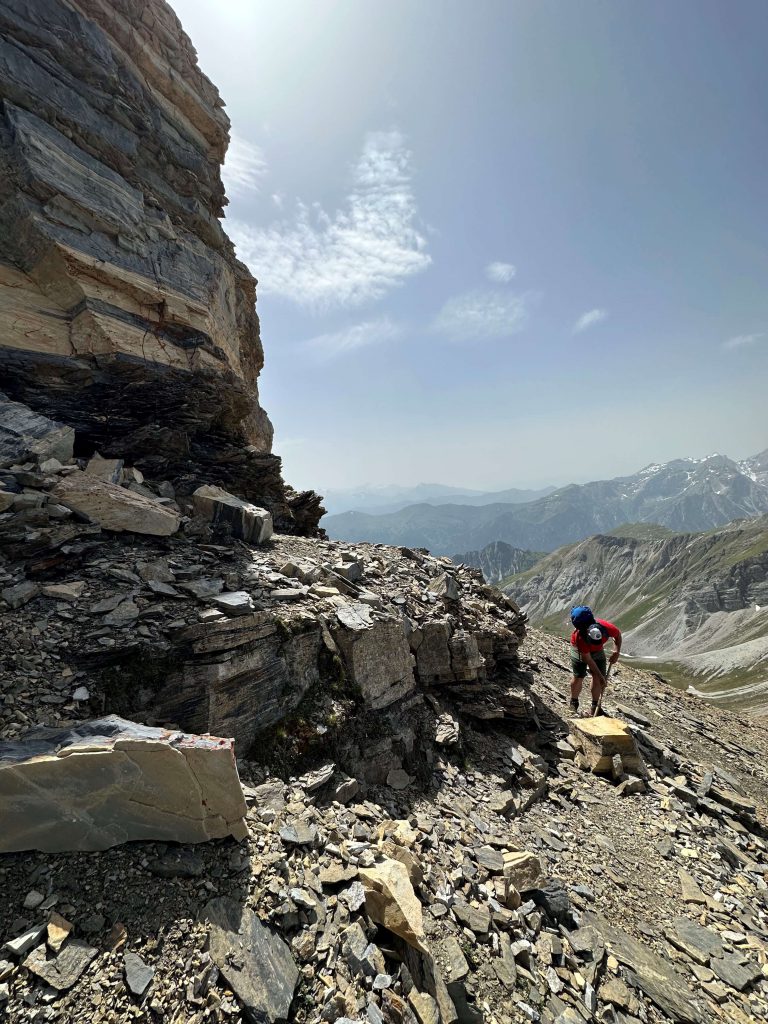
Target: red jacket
{"points": [[588, 646]]}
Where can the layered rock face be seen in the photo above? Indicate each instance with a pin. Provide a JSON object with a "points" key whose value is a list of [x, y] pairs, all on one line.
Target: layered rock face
{"points": [[123, 310]]}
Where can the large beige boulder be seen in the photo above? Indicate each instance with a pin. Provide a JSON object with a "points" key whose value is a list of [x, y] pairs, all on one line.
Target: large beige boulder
{"points": [[390, 901], [249, 522], [115, 508], [111, 781], [600, 739]]}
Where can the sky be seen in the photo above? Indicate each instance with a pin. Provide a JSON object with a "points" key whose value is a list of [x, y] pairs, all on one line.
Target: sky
{"points": [[507, 243]]}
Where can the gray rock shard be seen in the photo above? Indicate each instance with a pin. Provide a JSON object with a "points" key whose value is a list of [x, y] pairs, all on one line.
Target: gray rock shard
{"points": [[249, 522], [255, 962], [110, 781], [26, 435], [63, 970]]}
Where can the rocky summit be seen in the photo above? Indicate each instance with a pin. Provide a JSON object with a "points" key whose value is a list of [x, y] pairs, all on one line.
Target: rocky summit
{"points": [[250, 774]]}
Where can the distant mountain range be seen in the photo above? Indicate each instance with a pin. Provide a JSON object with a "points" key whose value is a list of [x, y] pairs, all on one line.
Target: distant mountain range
{"points": [[683, 495], [382, 500], [499, 560], [693, 601]]}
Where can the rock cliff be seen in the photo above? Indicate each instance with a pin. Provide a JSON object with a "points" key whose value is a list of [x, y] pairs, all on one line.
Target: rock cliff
{"points": [[123, 310]]}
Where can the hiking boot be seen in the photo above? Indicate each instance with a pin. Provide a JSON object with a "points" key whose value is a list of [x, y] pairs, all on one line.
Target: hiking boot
{"points": [[575, 705], [597, 711]]}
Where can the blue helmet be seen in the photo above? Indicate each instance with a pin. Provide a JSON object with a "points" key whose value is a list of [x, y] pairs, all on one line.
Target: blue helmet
{"points": [[582, 616]]}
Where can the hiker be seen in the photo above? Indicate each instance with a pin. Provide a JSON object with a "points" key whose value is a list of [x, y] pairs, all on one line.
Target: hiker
{"points": [[588, 639]]}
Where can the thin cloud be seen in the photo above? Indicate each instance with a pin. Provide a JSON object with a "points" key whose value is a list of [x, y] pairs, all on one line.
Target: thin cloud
{"points": [[362, 335], [587, 320], [484, 313], [742, 340], [500, 273], [244, 167], [357, 254]]}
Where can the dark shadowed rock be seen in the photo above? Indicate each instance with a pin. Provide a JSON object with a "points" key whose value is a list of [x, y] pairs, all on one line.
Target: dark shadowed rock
{"points": [[255, 962], [64, 969], [654, 976], [732, 969]]}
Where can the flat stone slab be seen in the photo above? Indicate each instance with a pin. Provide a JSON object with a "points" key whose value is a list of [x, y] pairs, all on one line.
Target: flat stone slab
{"points": [[115, 508], [735, 972], [255, 962], [138, 975], [61, 971], [111, 781], [698, 942], [654, 976]]}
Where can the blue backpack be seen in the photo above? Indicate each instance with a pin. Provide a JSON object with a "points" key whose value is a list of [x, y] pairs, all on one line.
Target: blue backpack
{"points": [[582, 617]]}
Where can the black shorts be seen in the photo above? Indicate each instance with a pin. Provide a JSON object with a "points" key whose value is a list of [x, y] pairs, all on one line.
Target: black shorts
{"points": [[580, 668]]}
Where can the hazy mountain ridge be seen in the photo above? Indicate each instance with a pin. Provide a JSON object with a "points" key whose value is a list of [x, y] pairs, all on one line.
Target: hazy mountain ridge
{"points": [[684, 495], [499, 560], [698, 600], [383, 500]]}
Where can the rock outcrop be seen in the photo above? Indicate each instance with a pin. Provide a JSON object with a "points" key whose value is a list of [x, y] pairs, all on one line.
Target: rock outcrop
{"points": [[110, 781], [124, 313]]}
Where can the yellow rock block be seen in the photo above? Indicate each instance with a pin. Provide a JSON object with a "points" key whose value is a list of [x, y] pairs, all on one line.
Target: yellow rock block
{"points": [[391, 901], [600, 739]]}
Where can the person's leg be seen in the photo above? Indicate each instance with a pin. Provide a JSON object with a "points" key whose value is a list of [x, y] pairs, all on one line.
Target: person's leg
{"points": [[597, 686], [579, 672]]}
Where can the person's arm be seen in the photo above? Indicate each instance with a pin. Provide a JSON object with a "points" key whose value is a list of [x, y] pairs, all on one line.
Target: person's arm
{"points": [[617, 643], [592, 666]]}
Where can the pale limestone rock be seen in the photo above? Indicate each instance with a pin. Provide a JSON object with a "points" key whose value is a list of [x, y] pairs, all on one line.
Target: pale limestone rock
{"points": [[59, 929], [111, 781], [522, 870], [65, 591], [433, 655], [445, 586], [600, 739], [115, 508], [424, 1006], [406, 857], [249, 522], [391, 901], [109, 470], [376, 654]]}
